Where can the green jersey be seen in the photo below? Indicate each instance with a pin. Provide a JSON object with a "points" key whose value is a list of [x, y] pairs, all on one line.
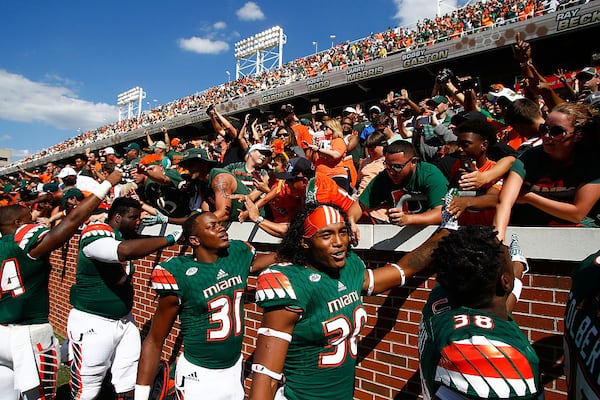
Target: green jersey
{"points": [[427, 179], [473, 353], [582, 332], [102, 288], [24, 298], [212, 304], [321, 357]]}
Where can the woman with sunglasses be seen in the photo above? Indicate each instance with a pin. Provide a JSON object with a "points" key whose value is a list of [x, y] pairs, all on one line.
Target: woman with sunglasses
{"points": [[557, 183]]}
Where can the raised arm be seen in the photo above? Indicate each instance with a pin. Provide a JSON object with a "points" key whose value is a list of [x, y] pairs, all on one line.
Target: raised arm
{"points": [[69, 225], [162, 322]]}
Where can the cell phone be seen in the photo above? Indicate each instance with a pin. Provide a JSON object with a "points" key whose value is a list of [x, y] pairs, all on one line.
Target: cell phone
{"points": [[425, 120], [467, 164]]}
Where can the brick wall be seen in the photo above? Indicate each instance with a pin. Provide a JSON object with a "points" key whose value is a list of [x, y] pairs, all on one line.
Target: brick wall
{"points": [[388, 358]]}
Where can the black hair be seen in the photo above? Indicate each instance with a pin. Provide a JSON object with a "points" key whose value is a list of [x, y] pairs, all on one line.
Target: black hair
{"points": [[479, 127], [188, 225], [375, 139], [469, 263], [291, 249], [9, 214], [82, 156], [121, 205], [400, 146], [522, 111]]}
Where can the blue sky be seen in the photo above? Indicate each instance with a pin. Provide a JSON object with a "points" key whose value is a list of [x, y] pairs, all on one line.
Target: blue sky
{"points": [[63, 63]]}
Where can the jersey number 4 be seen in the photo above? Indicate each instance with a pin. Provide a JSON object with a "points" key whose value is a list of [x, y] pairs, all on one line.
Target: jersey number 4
{"points": [[225, 312], [10, 281]]}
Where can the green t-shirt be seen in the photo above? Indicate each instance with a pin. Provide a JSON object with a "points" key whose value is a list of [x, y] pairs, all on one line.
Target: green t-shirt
{"points": [[321, 358], [476, 354], [170, 199], [543, 177], [24, 282], [212, 303], [102, 288], [427, 180]]}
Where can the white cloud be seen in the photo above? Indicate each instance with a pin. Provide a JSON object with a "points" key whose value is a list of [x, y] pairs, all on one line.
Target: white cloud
{"points": [[24, 100], [203, 45], [250, 12], [18, 154], [408, 12], [219, 25], [5, 138]]}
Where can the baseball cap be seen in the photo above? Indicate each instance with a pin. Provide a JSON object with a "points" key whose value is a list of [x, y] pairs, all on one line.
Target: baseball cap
{"points": [[375, 109], [260, 147], [132, 146], [506, 93], [466, 116], [350, 110], [586, 73], [67, 194], [439, 99], [110, 150], [297, 167], [50, 187], [196, 153], [159, 145], [66, 171]]}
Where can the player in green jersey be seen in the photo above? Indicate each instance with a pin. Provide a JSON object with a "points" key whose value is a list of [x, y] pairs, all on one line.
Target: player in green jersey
{"points": [[206, 290], [469, 345], [313, 309], [101, 330], [582, 331], [28, 349]]}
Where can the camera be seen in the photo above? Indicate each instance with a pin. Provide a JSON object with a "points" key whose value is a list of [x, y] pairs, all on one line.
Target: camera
{"points": [[209, 109], [421, 121], [446, 75], [407, 113], [469, 82]]}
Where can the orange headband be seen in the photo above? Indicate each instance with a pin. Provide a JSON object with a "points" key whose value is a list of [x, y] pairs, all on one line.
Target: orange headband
{"points": [[319, 219]]}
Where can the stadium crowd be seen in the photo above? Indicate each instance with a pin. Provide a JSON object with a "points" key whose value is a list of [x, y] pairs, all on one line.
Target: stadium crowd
{"points": [[463, 21], [467, 158]]}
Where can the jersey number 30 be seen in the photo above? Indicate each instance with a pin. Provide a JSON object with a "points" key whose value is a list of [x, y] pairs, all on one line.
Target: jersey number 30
{"points": [[342, 338], [11, 278]]}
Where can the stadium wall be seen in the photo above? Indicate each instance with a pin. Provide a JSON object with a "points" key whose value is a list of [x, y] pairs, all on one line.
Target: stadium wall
{"points": [[388, 357]]}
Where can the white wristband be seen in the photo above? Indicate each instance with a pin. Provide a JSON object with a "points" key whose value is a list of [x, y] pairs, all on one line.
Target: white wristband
{"points": [[402, 275], [273, 333], [371, 282], [517, 287], [142, 392], [261, 369], [102, 190]]}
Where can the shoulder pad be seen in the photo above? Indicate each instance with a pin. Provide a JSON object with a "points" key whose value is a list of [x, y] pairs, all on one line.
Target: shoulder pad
{"points": [[98, 229], [163, 280], [486, 366], [272, 284], [28, 234]]}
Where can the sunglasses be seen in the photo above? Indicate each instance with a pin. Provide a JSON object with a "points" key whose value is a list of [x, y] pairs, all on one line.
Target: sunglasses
{"points": [[552, 131], [396, 167], [265, 153]]}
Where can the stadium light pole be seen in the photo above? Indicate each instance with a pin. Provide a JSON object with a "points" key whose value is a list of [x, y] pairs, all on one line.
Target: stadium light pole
{"points": [[228, 75], [332, 37], [316, 44], [260, 52]]}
